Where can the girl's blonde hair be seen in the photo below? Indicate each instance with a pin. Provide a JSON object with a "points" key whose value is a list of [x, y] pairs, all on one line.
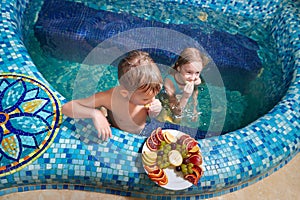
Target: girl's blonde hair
{"points": [[137, 71], [189, 55]]}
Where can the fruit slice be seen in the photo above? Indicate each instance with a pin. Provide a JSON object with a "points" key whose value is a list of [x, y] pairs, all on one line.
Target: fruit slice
{"points": [[159, 134], [150, 169], [195, 149], [148, 162], [163, 181], [169, 138], [187, 140], [182, 138], [191, 144], [196, 159], [153, 136], [156, 174], [175, 158], [159, 176], [198, 171], [150, 154], [150, 144], [192, 178], [149, 158]]}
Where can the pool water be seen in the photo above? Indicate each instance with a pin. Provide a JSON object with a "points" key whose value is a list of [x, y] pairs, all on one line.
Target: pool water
{"points": [[248, 95]]}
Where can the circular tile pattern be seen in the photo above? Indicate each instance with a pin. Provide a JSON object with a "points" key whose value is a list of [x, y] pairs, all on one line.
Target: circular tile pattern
{"points": [[29, 120]]}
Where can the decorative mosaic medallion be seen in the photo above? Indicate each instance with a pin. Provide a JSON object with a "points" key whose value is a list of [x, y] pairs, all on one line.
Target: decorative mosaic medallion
{"points": [[29, 121]]}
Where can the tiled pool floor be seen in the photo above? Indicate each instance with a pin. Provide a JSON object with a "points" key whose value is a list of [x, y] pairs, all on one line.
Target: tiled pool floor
{"points": [[283, 184]]}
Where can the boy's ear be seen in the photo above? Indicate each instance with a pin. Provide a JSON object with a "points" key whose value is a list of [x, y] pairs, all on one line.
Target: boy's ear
{"points": [[124, 93]]}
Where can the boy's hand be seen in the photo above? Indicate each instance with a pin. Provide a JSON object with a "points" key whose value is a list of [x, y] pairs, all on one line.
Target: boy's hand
{"points": [[102, 126], [154, 108], [188, 89]]}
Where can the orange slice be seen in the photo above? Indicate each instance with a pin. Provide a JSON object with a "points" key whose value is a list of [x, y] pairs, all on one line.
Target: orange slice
{"points": [[164, 181], [195, 149], [156, 175]]}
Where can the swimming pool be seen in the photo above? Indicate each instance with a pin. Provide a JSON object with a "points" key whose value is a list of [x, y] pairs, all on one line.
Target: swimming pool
{"points": [[69, 160], [64, 34]]}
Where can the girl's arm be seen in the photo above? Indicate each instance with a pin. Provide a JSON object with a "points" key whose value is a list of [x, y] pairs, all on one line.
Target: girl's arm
{"points": [[187, 92], [174, 104], [195, 98]]}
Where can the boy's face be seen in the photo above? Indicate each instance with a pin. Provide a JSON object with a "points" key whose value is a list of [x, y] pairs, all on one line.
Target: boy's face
{"points": [[140, 97], [190, 71]]}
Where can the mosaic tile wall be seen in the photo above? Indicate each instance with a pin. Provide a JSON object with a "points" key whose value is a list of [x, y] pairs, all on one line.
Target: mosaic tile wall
{"points": [[41, 150]]}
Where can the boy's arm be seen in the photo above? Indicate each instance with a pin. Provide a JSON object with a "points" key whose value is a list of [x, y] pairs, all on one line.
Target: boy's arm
{"points": [[86, 108]]}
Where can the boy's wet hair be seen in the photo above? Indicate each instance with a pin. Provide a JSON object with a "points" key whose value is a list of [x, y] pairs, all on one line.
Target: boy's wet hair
{"points": [[137, 71]]}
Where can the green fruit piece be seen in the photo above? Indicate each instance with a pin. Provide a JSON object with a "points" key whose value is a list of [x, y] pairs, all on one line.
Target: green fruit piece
{"points": [[191, 165], [184, 170], [183, 165], [184, 155], [185, 173]]}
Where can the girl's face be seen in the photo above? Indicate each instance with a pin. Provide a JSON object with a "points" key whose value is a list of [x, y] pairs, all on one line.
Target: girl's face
{"points": [[191, 71]]}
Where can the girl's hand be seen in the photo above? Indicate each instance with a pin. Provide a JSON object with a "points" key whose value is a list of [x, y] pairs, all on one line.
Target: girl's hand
{"points": [[188, 89], [197, 81], [102, 126], [154, 108]]}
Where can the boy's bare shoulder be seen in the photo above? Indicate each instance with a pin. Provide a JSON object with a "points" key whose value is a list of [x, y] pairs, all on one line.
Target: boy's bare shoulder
{"points": [[106, 92], [103, 97]]}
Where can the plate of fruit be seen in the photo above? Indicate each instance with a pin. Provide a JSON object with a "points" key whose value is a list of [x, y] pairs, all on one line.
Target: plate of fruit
{"points": [[172, 159]]}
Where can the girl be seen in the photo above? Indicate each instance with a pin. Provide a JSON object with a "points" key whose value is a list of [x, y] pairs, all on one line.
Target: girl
{"points": [[183, 80]]}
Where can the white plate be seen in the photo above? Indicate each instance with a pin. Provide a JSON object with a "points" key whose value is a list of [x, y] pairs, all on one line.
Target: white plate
{"points": [[175, 178]]}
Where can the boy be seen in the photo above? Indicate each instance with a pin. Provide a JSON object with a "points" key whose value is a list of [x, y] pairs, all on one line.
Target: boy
{"points": [[128, 104]]}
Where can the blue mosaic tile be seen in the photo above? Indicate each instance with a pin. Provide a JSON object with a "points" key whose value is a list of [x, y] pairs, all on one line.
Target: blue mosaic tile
{"points": [[30, 118], [77, 160]]}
